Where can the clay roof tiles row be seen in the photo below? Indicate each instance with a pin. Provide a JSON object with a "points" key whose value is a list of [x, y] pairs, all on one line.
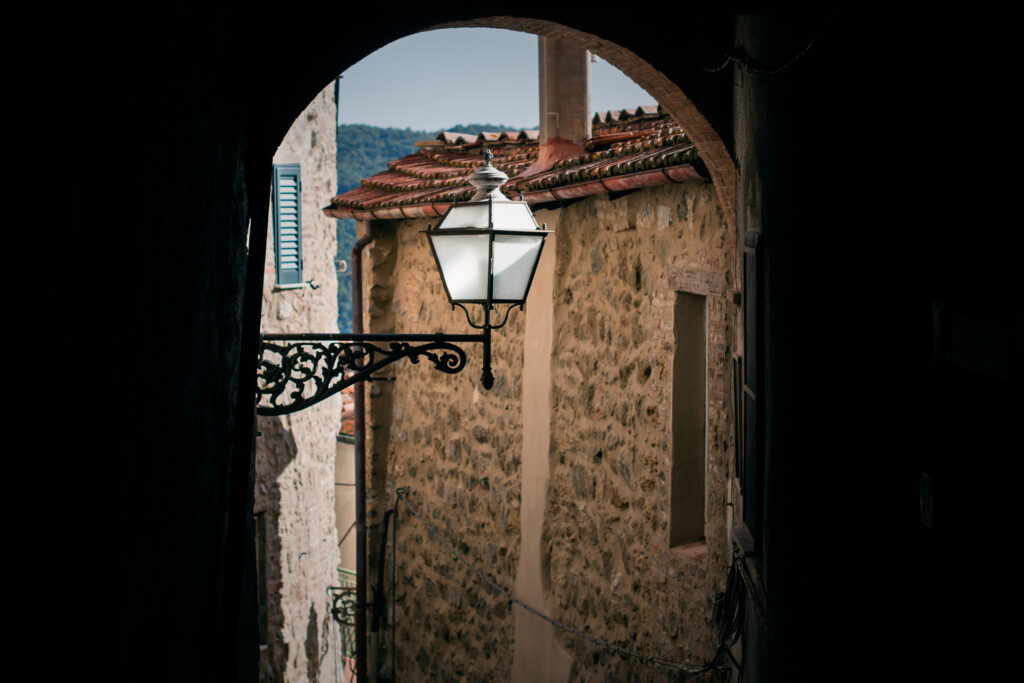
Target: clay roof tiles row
{"points": [[625, 145], [454, 139], [651, 110]]}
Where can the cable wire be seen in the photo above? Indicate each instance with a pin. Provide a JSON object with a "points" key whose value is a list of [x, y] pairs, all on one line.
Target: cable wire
{"points": [[346, 534], [739, 56]]}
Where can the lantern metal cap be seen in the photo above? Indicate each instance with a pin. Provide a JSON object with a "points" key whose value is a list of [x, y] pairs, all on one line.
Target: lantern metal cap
{"points": [[487, 180]]}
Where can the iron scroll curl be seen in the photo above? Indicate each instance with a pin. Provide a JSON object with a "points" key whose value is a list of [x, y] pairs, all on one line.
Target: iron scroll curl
{"points": [[297, 371]]}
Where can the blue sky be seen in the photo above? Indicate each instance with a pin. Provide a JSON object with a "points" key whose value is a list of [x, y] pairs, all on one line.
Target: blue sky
{"points": [[432, 80]]}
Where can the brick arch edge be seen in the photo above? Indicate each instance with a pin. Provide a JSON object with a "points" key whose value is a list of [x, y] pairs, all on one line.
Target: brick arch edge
{"points": [[670, 96]]}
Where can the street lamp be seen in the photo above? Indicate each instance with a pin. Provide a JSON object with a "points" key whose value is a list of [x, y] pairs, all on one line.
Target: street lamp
{"points": [[486, 250]]}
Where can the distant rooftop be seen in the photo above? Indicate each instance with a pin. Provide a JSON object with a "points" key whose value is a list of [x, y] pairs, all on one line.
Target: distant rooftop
{"points": [[628, 149]]}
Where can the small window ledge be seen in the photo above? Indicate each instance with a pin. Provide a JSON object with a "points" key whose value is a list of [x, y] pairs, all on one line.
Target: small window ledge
{"points": [[696, 550], [298, 285]]}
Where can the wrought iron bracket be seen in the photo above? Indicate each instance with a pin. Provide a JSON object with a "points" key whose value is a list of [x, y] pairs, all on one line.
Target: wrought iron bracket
{"points": [[487, 318], [299, 370]]}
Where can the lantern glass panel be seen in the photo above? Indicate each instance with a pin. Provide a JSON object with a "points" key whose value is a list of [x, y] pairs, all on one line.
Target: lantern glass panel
{"points": [[513, 216], [467, 216], [463, 260], [515, 257]]}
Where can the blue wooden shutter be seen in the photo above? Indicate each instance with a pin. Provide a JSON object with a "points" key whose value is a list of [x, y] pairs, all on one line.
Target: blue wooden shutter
{"points": [[288, 224]]}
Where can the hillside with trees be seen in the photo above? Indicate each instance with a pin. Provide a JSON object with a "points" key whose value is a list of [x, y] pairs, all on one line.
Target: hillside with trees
{"points": [[364, 150]]}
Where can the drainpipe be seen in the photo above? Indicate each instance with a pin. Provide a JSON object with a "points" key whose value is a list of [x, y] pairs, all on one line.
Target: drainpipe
{"points": [[360, 460], [379, 606]]}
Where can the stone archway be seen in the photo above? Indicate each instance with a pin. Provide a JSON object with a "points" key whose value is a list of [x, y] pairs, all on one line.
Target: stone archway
{"points": [[709, 144]]}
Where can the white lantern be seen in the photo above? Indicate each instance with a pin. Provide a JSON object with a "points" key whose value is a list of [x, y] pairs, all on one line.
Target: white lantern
{"points": [[487, 249]]}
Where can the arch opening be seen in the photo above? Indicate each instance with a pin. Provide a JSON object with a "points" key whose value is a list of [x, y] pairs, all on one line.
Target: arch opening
{"points": [[709, 145]]}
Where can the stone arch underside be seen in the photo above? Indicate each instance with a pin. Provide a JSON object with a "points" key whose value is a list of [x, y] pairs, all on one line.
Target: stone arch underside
{"points": [[710, 145]]}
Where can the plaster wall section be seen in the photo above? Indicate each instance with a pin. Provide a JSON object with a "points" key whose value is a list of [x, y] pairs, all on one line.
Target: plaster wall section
{"points": [[611, 570], [295, 454], [458, 448]]}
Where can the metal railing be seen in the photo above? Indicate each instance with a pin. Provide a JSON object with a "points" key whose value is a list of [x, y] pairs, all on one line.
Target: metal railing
{"points": [[343, 622]]}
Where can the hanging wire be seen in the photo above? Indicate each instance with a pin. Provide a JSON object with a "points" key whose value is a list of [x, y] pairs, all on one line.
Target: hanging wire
{"points": [[757, 598], [346, 534], [728, 632], [740, 57]]}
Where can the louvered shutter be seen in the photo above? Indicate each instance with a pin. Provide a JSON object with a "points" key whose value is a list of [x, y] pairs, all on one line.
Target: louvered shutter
{"points": [[288, 223]]}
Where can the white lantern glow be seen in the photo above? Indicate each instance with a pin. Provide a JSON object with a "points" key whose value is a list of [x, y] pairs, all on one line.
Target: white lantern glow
{"points": [[487, 249]]}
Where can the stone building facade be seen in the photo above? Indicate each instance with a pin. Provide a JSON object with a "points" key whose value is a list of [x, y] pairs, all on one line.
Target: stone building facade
{"points": [[557, 484], [297, 544], [614, 570]]}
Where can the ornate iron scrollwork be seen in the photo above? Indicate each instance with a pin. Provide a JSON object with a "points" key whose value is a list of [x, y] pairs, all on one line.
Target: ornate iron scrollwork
{"points": [[343, 604], [297, 371], [487, 318]]}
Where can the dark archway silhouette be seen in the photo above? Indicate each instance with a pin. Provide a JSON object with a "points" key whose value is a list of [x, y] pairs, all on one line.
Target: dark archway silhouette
{"points": [[710, 143], [856, 164]]}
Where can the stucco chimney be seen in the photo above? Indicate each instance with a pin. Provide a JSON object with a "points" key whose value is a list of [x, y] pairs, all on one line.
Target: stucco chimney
{"points": [[564, 99]]}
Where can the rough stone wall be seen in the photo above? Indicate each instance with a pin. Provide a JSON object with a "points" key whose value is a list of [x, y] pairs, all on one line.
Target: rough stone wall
{"points": [[608, 565], [612, 572], [458, 449], [295, 453]]}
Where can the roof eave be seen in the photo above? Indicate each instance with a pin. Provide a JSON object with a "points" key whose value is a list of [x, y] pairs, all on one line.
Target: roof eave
{"points": [[622, 183]]}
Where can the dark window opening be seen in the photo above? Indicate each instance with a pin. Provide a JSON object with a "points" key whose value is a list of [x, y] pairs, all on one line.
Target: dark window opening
{"points": [[689, 420]]}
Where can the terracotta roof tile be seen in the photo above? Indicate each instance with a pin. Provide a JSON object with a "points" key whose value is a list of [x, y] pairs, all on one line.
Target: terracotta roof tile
{"points": [[629, 148], [348, 426]]}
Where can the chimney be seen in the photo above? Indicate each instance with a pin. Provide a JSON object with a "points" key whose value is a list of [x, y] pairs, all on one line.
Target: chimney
{"points": [[564, 101]]}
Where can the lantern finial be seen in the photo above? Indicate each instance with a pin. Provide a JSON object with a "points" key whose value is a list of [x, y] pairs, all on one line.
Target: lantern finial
{"points": [[487, 180]]}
